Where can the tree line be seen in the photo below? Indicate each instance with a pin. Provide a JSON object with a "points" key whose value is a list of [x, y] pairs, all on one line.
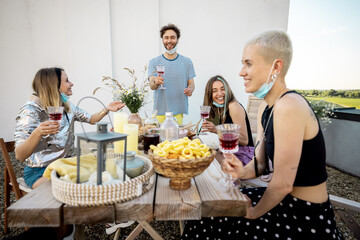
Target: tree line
{"points": [[331, 93]]}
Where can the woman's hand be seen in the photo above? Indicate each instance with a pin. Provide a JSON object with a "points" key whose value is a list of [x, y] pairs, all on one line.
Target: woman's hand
{"points": [[249, 208], [208, 126], [233, 166], [115, 106], [48, 127], [25, 149]]}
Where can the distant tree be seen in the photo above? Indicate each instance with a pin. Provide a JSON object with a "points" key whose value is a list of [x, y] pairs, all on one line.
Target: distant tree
{"points": [[324, 93], [302, 92], [332, 93], [348, 94], [340, 93]]}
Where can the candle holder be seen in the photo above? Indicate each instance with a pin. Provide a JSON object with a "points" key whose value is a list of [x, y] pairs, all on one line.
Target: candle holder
{"points": [[102, 138]]}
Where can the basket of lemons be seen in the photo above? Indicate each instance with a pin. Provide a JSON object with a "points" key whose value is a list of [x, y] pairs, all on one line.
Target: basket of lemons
{"points": [[180, 160]]}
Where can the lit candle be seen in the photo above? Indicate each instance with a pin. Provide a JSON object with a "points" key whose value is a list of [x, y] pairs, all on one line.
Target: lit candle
{"points": [[120, 119], [132, 130]]}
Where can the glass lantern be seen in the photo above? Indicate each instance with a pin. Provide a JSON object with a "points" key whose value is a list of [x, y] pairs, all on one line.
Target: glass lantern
{"points": [[102, 138]]}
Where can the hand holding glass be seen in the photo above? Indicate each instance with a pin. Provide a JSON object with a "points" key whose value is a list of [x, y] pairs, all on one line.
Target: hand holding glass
{"points": [[55, 115], [161, 72], [229, 137], [205, 112]]}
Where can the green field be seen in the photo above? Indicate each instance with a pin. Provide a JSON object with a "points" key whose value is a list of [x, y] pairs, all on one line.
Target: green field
{"points": [[344, 102]]}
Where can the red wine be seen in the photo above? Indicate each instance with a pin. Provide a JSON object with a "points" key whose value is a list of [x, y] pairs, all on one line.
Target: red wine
{"points": [[229, 141], [204, 114], [160, 73], [150, 139], [55, 116]]}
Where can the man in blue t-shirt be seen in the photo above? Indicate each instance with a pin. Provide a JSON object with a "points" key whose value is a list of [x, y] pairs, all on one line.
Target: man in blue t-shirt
{"points": [[178, 79]]}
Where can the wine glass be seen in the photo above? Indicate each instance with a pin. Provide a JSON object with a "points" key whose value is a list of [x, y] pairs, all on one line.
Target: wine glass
{"points": [[204, 112], [55, 115], [229, 137], [161, 72]]}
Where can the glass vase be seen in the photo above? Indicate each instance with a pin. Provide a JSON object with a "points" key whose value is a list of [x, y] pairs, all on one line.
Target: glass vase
{"points": [[134, 118]]}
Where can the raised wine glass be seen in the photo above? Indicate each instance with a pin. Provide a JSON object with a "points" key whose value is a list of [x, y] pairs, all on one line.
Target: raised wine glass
{"points": [[229, 137], [161, 72], [204, 112], [55, 115]]}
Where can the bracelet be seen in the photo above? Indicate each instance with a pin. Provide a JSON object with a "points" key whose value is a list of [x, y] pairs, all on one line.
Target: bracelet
{"points": [[105, 111]]}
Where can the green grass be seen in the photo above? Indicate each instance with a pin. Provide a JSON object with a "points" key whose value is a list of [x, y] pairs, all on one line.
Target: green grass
{"points": [[342, 102]]}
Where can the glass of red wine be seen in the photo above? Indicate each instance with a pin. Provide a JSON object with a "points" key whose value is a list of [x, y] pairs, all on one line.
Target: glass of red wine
{"points": [[204, 112], [229, 137], [55, 115], [161, 72], [150, 139]]}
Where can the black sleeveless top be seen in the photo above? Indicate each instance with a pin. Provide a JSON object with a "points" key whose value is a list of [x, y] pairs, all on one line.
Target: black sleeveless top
{"points": [[312, 166], [229, 120]]}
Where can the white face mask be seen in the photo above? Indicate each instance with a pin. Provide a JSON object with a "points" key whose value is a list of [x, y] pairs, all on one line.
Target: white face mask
{"points": [[266, 87], [171, 51]]}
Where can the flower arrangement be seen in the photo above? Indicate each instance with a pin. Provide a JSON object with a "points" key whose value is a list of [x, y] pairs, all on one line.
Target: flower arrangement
{"points": [[323, 110], [134, 96]]}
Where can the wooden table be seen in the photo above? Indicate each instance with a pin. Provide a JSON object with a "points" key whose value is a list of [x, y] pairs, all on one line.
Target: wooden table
{"points": [[205, 198]]}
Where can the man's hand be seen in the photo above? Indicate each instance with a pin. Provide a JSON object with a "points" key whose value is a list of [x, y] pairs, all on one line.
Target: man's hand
{"points": [[188, 91], [159, 80], [155, 81], [190, 88]]}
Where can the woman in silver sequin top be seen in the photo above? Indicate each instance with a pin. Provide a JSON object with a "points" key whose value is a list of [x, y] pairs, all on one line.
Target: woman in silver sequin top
{"points": [[34, 130]]}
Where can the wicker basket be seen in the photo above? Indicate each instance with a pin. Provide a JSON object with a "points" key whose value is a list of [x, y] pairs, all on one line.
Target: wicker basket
{"points": [[97, 195], [180, 172]]}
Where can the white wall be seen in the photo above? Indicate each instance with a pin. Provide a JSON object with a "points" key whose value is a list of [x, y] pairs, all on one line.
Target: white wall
{"points": [[92, 38], [74, 35]]}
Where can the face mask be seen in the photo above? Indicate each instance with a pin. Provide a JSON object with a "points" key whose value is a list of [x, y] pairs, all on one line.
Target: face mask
{"points": [[226, 94], [64, 97], [218, 105], [266, 87], [171, 51]]}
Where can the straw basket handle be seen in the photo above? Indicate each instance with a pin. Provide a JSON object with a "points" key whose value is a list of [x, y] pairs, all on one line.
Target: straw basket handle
{"points": [[151, 183]]}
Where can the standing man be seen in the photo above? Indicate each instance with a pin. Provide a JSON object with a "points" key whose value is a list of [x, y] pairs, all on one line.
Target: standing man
{"points": [[178, 78]]}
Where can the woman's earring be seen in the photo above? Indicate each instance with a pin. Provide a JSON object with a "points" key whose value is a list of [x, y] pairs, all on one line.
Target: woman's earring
{"points": [[273, 77]]}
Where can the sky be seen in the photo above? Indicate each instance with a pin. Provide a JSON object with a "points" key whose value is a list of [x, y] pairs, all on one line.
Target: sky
{"points": [[326, 43]]}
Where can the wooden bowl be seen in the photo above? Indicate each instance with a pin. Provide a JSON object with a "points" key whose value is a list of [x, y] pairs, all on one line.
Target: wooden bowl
{"points": [[179, 171]]}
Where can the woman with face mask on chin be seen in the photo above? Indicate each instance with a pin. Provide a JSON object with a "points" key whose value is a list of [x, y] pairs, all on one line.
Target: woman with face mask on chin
{"points": [[226, 109], [295, 204], [34, 130]]}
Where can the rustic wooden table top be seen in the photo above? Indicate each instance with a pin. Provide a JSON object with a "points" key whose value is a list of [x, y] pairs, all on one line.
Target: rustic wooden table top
{"points": [[205, 198]]}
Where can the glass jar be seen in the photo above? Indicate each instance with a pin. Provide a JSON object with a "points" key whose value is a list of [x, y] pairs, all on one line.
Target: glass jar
{"points": [[151, 121], [169, 129]]}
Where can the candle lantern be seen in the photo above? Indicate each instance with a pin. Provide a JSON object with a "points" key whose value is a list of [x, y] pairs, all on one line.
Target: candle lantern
{"points": [[102, 138]]}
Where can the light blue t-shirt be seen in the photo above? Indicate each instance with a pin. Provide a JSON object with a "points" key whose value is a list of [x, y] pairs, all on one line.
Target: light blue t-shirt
{"points": [[177, 73]]}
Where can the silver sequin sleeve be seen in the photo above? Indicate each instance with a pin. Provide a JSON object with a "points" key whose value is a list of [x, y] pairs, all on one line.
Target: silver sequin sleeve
{"points": [[30, 116]]}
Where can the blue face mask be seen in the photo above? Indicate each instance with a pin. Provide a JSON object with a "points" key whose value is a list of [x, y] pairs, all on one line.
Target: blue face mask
{"points": [[266, 87], [64, 97], [263, 90], [217, 105], [171, 51]]}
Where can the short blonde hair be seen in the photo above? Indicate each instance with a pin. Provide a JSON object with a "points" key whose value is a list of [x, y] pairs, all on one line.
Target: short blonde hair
{"points": [[274, 44]]}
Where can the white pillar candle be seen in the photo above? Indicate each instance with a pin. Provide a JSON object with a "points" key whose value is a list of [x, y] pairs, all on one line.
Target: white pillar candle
{"points": [[132, 130], [120, 119]]}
